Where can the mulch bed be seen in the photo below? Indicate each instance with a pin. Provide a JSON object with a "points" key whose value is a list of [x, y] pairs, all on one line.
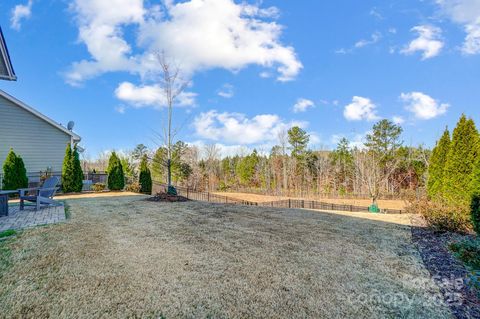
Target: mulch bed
{"points": [[449, 274], [164, 197]]}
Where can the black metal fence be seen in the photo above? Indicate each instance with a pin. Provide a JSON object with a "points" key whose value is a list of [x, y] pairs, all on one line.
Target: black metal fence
{"points": [[286, 203]]}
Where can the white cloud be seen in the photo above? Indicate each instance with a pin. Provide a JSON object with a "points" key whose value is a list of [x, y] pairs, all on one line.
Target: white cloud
{"points": [[467, 14], [100, 29], [237, 128], [150, 95], [227, 91], [303, 105], [423, 106], [375, 13], [265, 75], [398, 120], [120, 109], [20, 12], [428, 42], [199, 34], [472, 40], [361, 108], [374, 38]]}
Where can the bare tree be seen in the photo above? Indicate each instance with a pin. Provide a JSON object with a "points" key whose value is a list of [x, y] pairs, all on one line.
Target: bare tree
{"points": [[172, 86], [372, 172], [212, 154], [283, 140]]}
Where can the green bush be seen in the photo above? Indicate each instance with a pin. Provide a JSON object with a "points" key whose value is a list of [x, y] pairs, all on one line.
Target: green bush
{"points": [[14, 172], [468, 251], [98, 187], [475, 213], [145, 179], [133, 187], [116, 177], [443, 216]]}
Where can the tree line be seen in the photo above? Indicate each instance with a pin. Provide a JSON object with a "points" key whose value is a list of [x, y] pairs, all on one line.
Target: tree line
{"points": [[382, 165]]}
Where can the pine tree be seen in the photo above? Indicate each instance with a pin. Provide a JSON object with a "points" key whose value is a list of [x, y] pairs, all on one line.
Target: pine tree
{"points": [[77, 175], [298, 140], [116, 177], [145, 179], [437, 165], [460, 162], [67, 171], [14, 172]]}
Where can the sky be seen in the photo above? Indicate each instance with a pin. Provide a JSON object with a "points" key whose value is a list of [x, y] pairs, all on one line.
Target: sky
{"points": [[253, 68]]}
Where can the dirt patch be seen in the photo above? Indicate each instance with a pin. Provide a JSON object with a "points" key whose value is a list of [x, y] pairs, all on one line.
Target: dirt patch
{"points": [[127, 257], [449, 274], [383, 204], [165, 197]]}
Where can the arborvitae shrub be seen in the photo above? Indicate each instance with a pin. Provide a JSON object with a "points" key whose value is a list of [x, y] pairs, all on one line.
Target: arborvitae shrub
{"points": [[68, 183], [145, 178], [116, 177], [21, 173], [475, 211], [460, 163], [14, 172], [437, 166], [77, 171]]}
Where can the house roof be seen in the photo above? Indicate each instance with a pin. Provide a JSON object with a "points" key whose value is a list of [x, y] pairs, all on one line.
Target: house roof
{"points": [[27, 108], [6, 68]]}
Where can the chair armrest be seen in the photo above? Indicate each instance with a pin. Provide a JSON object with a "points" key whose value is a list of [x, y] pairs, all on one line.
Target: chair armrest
{"points": [[49, 189], [22, 191], [54, 189]]}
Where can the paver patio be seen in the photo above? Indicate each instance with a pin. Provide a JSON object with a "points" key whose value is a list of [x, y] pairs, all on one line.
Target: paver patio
{"points": [[30, 217]]}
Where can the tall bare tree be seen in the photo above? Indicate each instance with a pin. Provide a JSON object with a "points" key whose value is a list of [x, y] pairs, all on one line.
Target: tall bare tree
{"points": [[283, 140], [172, 86]]}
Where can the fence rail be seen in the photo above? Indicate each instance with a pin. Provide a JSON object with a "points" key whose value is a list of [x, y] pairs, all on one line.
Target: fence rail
{"points": [[286, 203], [306, 193]]}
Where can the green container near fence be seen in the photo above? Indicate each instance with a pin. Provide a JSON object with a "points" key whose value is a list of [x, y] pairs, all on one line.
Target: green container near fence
{"points": [[374, 208], [172, 190]]}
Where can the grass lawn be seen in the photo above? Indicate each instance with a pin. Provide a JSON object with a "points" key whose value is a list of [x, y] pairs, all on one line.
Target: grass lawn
{"points": [[126, 257]]}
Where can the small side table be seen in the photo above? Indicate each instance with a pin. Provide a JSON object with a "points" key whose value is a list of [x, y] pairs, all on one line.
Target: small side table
{"points": [[4, 202]]}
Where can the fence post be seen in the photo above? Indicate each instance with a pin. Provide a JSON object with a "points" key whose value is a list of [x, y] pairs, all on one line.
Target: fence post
{"points": [[208, 196], [289, 203], [187, 193], [303, 203]]}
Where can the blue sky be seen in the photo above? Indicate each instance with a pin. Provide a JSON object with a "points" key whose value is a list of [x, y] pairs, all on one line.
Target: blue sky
{"points": [[255, 68]]}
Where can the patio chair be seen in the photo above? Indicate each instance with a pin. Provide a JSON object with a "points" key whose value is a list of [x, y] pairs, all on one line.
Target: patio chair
{"points": [[42, 195]]}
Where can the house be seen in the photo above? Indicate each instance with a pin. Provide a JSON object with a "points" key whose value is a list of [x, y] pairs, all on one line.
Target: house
{"points": [[39, 140], [6, 68]]}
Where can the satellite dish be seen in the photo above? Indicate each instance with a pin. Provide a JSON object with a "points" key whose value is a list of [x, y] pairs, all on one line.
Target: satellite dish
{"points": [[70, 125]]}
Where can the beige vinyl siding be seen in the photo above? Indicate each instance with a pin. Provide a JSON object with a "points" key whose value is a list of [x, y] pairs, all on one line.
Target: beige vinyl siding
{"points": [[40, 144]]}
